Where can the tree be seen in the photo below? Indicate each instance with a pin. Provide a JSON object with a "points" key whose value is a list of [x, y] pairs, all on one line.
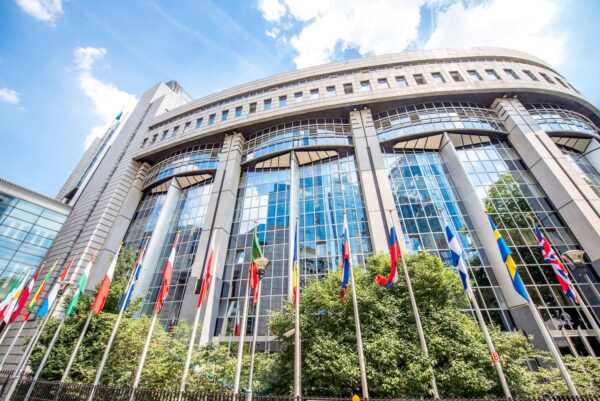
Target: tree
{"points": [[396, 366]]}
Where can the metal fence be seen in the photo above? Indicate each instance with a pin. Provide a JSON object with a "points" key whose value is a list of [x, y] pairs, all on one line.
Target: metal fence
{"points": [[25, 389]]}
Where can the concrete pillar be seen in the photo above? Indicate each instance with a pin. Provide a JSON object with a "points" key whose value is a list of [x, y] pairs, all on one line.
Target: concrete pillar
{"points": [[157, 239], [572, 197], [218, 220], [466, 191], [375, 183]]}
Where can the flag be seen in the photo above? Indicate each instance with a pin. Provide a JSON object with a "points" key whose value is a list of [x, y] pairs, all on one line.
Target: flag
{"points": [[167, 274], [24, 295], [118, 117], [237, 321], [126, 298], [39, 292], [81, 285], [53, 294], [559, 269], [11, 297], [345, 259], [456, 252], [513, 271], [207, 277], [295, 267], [392, 278], [256, 253], [98, 304]]}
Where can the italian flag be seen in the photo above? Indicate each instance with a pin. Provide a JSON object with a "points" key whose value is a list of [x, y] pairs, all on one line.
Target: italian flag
{"points": [[38, 293], [81, 284], [53, 294], [167, 274], [256, 253], [103, 291], [24, 295], [10, 298]]}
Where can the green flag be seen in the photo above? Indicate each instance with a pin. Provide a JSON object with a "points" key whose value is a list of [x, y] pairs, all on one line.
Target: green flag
{"points": [[81, 285]]}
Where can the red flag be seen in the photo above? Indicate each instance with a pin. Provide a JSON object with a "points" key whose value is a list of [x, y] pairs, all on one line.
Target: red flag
{"points": [[63, 275], [24, 295], [254, 281], [237, 322], [207, 277], [105, 286], [167, 274]]}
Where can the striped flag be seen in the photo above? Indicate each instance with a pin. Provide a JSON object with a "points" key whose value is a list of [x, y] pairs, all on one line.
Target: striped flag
{"points": [[38, 293], [345, 259], [167, 275], [126, 298], [207, 278], [24, 295], [559, 269], [53, 294], [295, 267], [513, 271], [9, 302], [256, 253], [100, 300], [236, 324], [456, 252], [392, 278], [81, 285]]}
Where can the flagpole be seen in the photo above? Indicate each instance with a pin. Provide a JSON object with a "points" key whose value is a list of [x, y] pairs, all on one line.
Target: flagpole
{"points": [[190, 350], [138, 373], [12, 344], [77, 345], [238, 365], [254, 335], [298, 340], [359, 340], [486, 334]]}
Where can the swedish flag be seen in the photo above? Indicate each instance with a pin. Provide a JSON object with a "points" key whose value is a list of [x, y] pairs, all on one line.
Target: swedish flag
{"points": [[513, 271]]}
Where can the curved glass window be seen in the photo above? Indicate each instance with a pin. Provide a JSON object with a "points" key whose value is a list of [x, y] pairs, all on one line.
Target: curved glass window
{"points": [[583, 167], [557, 118], [298, 134], [431, 117], [144, 220], [203, 157], [422, 186]]}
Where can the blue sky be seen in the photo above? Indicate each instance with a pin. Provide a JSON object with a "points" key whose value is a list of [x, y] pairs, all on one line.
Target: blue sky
{"points": [[68, 66]]}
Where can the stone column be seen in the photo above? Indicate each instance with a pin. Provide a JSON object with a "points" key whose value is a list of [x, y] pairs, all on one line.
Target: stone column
{"points": [[217, 222], [157, 240], [375, 183], [576, 202], [466, 191]]}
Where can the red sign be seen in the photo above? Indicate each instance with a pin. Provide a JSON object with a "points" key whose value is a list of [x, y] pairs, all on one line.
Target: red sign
{"points": [[495, 356]]}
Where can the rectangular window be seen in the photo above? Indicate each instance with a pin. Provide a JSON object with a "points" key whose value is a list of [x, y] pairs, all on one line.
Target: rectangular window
{"points": [[175, 130], [474, 75], [187, 127], [314, 93], [348, 89], [419, 79], [547, 78], [383, 83], [437, 78], [211, 119], [456, 76], [145, 142], [267, 104], [511, 74], [330, 91], [365, 86], [401, 81], [238, 111], [492, 74], [252, 108], [165, 134], [224, 115], [561, 82], [199, 122], [298, 97], [531, 75], [282, 101], [154, 138]]}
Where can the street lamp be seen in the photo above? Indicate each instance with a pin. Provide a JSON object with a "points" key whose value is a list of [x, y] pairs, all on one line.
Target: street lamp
{"points": [[261, 267]]}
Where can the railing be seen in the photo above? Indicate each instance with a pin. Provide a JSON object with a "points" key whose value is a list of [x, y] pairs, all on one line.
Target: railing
{"points": [[28, 390]]}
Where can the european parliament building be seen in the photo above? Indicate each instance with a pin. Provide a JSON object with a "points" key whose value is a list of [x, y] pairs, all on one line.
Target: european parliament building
{"points": [[391, 140]]}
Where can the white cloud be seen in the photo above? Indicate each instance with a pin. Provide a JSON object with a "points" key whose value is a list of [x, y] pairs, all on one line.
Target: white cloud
{"points": [[44, 10], [9, 96], [107, 98], [272, 9], [516, 24]]}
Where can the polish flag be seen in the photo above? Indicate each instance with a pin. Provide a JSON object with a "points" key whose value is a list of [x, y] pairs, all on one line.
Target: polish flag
{"points": [[167, 274], [105, 286]]}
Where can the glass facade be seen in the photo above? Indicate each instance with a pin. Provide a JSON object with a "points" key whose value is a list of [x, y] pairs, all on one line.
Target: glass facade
{"points": [[438, 116], [510, 193], [423, 189], [144, 219], [583, 167], [552, 118], [187, 219], [26, 232]]}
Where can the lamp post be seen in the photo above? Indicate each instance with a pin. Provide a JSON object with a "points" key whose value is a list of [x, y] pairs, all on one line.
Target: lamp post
{"points": [[261, 267], [575, 258]]}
